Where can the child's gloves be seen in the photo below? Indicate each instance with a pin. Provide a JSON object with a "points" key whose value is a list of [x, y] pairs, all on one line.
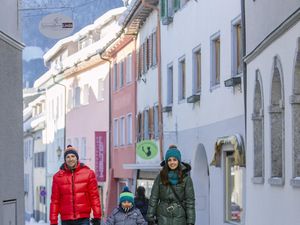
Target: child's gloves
{"points": [[95, 221]]}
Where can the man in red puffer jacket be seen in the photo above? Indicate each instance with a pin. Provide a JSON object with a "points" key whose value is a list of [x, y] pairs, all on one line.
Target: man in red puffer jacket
{"points": [[74, 193]]}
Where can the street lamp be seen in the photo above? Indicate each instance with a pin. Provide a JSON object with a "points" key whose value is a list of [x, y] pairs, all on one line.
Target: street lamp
{"points": [[58, 152]]}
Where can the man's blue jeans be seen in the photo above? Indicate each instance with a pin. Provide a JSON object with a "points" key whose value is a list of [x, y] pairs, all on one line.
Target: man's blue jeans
{"points": [[85, 221]]}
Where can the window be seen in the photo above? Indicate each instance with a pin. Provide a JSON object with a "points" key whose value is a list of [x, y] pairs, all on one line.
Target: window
{"points": [[122, 131], [233, 189], [146, 124], [39, 159], [116, 137], [295, 103], [236, 47], [129, 69], [170, 85], [84, 42], [76, 143], [258, 132], [100, 89], [276, 111], [115, 76], [85, 94], [156, 124], [197, 71], [69, 141], [77, 96], [215, 60], [83, 148], [70, 99], [154, 49], [129, 129], [181, 79], [121, 65]]}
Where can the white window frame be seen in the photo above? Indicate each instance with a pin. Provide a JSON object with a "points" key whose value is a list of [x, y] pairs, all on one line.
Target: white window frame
{"points": [[122, 130], [228, 171], [196, 71], [146, 124], [129, 68], [156, 121], [235, 70], [115, 71], [213, 71], [85, 97], [83, 148], [76, 96], [100, 89], [129, 128], [116, 132], [170, 84], [181, 79], [154, 48], [122, 80]]}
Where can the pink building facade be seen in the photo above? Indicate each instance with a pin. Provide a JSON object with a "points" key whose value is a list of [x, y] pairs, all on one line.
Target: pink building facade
{"points": [[123, 111]]}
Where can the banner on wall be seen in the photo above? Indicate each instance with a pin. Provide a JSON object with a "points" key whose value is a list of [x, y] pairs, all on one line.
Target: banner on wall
{"points": [[100, 155]]}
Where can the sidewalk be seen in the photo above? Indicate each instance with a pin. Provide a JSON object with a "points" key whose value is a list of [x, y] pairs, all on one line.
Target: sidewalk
{"points": [[33, 222]]}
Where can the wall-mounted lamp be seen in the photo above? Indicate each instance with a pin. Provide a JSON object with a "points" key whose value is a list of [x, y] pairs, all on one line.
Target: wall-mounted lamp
{"points": [[58, 152]]}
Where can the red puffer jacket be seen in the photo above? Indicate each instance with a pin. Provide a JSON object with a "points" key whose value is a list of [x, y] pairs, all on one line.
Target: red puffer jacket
{"points": [[74, 194]]}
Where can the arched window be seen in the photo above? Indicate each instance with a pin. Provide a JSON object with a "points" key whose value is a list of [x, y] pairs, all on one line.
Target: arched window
{"points": [[258, 131], [295, 101], [277, 125]]}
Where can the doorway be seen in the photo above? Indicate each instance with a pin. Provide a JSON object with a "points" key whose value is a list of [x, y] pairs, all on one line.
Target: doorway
{"points": [[200, 175]]}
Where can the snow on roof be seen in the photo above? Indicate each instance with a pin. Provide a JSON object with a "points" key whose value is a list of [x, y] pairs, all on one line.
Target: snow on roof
{"points": [[101, 21]]}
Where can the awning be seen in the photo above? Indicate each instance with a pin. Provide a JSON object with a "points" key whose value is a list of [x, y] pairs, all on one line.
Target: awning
{"points": [[142, 166], [238, 150]]}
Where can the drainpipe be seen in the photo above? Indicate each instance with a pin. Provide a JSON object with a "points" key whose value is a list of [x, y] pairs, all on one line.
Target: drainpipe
{"points": [[158, 40], [244, 64]]}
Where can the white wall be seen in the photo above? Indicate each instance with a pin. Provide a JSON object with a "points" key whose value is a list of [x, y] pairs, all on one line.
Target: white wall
{"points": [[147, 93], [277, 205], [9, 17], [192, 26]]}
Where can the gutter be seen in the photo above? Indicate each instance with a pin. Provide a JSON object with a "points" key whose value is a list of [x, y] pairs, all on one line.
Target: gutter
{"points": [[244, 64]]}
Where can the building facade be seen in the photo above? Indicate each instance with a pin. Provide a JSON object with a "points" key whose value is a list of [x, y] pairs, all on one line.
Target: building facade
{"points": [[11, 137], [273, 62], [77, 97], [203, 111]]}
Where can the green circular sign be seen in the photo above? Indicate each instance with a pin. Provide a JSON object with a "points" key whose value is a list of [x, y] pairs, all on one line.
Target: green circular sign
{"points": [[146, 149]]}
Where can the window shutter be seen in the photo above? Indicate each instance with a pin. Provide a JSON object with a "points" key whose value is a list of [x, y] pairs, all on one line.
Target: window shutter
{"points": [[148, 53], [151, 50], [150, 123], [138, 127], [137, 62], [142, 126]]}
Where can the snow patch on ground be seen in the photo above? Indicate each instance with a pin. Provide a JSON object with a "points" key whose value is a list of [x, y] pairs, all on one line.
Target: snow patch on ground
{"points": [[33, 222]]}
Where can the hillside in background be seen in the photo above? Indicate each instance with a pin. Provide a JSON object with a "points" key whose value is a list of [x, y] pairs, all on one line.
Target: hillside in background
{"points": [[83, 12]]}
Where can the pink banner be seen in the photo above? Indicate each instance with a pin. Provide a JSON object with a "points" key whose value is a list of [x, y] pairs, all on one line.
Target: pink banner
{"points": [[100, 155]]}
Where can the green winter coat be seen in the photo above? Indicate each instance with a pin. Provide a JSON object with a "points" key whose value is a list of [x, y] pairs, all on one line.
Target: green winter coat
{"points": [[164, 206]]}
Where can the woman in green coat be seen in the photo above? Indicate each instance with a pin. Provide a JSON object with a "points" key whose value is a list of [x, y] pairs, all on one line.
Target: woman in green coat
{"points": [[172, 200]]}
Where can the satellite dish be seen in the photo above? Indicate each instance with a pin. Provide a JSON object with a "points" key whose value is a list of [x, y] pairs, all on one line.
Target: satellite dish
{"points": [[56, 26]]}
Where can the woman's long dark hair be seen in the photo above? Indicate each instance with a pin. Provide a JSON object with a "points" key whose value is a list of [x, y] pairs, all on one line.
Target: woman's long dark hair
{"points": [[164, 174]]}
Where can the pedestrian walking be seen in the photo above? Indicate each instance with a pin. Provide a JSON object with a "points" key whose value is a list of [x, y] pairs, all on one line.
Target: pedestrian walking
{"points": [[172, 199], [74, 193], [126, 213], [140, 201]]}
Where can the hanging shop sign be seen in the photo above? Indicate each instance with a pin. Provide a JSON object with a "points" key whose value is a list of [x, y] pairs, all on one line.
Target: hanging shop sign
{"points": [[147, 149]]}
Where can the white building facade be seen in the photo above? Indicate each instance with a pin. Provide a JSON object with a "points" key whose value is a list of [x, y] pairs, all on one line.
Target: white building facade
{"points": [[273, 88], [11, 136], [203, 111]]}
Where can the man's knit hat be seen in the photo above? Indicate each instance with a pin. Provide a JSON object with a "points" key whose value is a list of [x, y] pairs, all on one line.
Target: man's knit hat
{"points": [[70, 150], [126, 195], [173, 151]]}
